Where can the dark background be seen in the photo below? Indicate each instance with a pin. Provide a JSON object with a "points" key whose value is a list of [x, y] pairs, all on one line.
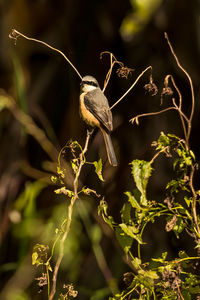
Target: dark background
{"points": [[47, 88]]}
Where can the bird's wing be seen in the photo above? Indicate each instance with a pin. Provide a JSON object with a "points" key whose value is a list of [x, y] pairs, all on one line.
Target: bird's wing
{"points": [[96, 102]]}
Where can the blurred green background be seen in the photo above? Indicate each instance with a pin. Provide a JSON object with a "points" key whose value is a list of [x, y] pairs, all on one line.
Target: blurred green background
{"points": [[46, 88]]}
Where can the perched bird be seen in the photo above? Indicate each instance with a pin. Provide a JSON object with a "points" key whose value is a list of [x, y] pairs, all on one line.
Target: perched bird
{"points": [[95, 111]]}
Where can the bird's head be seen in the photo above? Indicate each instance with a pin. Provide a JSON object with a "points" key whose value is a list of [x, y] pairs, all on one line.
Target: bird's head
{"points": [[89, 83]]}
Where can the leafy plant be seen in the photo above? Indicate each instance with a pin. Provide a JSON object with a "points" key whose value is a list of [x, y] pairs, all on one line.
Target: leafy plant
{"points": [[161, 277]]}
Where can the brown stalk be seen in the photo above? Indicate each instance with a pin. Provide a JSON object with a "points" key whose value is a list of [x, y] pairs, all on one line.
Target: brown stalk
{"points": [[69, 218]]}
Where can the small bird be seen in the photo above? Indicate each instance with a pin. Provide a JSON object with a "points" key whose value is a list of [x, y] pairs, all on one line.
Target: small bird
{"points": [[95, 111]]}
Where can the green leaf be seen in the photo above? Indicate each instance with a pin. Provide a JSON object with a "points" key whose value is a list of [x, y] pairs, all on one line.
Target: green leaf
{"points": [[39, 255], [192, 154], [61, 172], [125, 241], [74, 165], [164, 255], [136, 262], [134, 203], [126, 213], [141, 171], [64, 191], [179, 227], [34, 258], [188, 201], [54, 179], [162, 258], [163, 141], [144, 278], [102, 210], [49, 267], [98, 168], [131, 231], [151, 274]]}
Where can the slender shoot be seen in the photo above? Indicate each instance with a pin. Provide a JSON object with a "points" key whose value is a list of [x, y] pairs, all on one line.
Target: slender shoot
{"points": [[16, 34]]}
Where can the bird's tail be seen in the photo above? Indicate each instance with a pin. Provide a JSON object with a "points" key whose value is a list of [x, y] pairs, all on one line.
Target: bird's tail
{"points": [[109, 149]]}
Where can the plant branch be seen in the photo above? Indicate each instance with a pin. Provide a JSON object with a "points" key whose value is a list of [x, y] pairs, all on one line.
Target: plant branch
{"points": [[190, 82], [135, 119], [141, 74], [179, 107], [69, 217], [110, 69], [16, 34]]}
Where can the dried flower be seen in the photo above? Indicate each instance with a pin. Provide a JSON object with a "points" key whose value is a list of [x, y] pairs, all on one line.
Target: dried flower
{"points": [[124, 71], [71, 292], [167, 91], [151, 87], [42, 280]]}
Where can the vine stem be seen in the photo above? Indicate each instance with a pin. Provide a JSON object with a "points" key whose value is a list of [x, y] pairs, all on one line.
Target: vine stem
{"points": [[69, 218]]}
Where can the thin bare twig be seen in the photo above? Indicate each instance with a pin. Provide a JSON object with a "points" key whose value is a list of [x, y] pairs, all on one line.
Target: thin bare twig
{"points": [[125, 70], [141, 74], [191, 86], [157, 154], [189, 122], [16, 34], [135, 119], [181, 114], [69, 218], [110, 69]]}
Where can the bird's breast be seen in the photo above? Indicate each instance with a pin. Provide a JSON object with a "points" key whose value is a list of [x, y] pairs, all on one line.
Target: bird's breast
{"points": [[86, 115]]}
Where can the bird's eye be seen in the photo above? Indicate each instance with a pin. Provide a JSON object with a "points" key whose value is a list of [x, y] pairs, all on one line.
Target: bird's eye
{"points": [[89, 83]]}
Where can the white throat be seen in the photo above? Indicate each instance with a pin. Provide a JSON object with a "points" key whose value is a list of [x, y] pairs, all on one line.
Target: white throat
{"points": [[88, 88]]}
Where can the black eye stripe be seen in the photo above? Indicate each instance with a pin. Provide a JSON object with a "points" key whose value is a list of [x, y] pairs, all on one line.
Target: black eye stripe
{"points": [[89, 83]]}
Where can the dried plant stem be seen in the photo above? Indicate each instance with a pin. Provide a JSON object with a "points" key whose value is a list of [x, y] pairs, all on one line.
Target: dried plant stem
{"points": [[16, 34], [189, 123], [69, 219], [113, 61], [157, 154], [141, 74], [191, 87], [179, 107], [135, 119]]}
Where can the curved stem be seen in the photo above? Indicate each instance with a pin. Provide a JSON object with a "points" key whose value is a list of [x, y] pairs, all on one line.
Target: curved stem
{"points": [[190, 82], [69, 218], [15, 34], [141, 74], [135, 119]]}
